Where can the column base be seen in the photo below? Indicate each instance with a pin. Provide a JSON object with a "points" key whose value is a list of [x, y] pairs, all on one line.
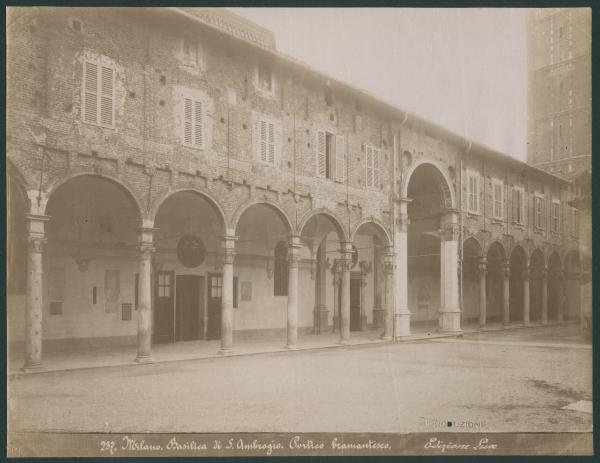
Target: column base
{"points": [[401, 325], [363, 323], [225, 351], [320, 321], [143, 359], [449, 322], [31, 367], [343, 342], [378, 318], [291, 346]]}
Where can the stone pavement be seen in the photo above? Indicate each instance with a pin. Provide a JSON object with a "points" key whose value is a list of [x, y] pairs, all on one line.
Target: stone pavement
{"points": [[268, 342]]}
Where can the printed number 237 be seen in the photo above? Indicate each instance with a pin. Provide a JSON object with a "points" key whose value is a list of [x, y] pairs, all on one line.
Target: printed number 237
{"points": [[108, 446]]}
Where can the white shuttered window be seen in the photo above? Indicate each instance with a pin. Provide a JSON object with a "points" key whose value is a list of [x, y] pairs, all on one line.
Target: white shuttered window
{"points": [[193, 123], [473, 193], [331, 156], [498, 198], [373, 166], [98, 94], [266, 144]]}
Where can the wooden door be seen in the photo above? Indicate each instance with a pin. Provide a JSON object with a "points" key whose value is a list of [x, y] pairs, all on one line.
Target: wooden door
{"points": [[164, 308], [213, 306], [355, 302], [188, 315]]}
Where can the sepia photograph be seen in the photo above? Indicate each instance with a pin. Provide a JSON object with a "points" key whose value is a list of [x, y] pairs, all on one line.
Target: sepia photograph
{"points": [[298, 231]]}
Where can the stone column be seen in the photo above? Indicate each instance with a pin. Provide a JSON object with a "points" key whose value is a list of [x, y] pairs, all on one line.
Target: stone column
{"points": [[506, 295], [34, 302], [345, 262], [388, 270], [228, 250], [378, 310], [144, 334], [400, 297], [321, 314], [336, 272], [363, 315], [292, 303], [560, 295], [544, 295], [482, 269], [525, 274], [450, 309]]}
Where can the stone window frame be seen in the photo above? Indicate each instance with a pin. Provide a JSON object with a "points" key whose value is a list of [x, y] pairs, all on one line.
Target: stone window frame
{"points": [[101, 63], [497, 183], [472, 174]]}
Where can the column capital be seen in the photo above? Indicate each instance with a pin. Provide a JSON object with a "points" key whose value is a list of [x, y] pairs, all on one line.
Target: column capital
{"points": [[36, 242], [228, 248], [482, 266], [450, 232], [506, 269], [146, 234], [147, 249]]}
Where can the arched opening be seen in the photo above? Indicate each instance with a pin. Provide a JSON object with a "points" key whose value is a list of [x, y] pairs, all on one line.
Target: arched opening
{"points": [[187, 268], [17, 206], [322, 234], [571, 286], [429, 198], [367, 279], [518, 262], [554, 287], [496, 259], [471, 256], [90, 263], [263, 233], [535, 285]]}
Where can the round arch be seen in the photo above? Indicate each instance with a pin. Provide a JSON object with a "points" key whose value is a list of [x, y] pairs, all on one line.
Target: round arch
{"points": [[330, 215], [445, 183], [382, 232], [272, 205], [473, 244], [129, 192], [496, 248], [204, 195]]}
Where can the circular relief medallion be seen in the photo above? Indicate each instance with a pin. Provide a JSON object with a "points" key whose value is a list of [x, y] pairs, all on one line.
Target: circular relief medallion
{"points": [[191, 251]]}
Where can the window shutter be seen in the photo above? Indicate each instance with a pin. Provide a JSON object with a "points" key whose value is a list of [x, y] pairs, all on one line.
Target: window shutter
{"points": [[271, 153], [515, 199], [340, 159], [198, 124], [263, 141], [187, 121], [90, 94], [369, 166], [106, 96], [321, 157], [376, 156]]}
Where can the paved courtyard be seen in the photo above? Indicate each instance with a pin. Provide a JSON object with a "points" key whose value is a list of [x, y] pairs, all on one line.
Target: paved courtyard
{"points": [[500, 381]]}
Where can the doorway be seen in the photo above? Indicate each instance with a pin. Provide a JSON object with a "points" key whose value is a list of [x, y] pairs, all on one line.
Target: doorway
{"points": [[355, 304], [189, 307], [164, 306], [214, 289]]}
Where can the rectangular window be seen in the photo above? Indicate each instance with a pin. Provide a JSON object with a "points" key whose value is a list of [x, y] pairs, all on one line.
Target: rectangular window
{"points": [[266, 145], [193, 123], [498, 198], [555, 217], [518, 206], [538, 211], [216, 286], [373, 166], [473, 193], [126, 311], [98, 94], [331, 156], [265, 78], [190, 51], [164, 285]]}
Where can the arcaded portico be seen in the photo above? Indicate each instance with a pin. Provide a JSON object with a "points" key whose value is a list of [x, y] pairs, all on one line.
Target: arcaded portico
{"points": [[211, 188]]}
